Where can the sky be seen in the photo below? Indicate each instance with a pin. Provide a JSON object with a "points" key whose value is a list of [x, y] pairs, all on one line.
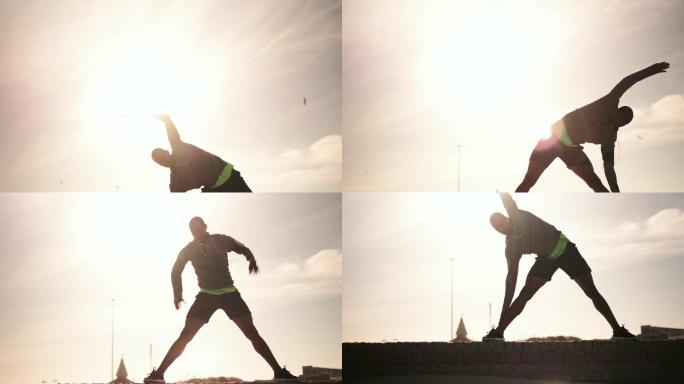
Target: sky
{"points": [[65, 256], [233, 76], [397, 265], [492, 76]]}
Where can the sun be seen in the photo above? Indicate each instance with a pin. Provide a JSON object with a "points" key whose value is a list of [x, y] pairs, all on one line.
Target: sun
{"points": [[143, 73]]}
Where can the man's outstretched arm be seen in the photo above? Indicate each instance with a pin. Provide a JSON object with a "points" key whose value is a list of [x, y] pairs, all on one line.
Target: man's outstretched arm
{"points": [[608, 154], [171, 131], [176, 281], [511, 281], [509, 203], [636, 77]]}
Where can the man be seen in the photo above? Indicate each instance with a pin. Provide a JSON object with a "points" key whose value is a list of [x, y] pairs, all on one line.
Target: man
{"points": [[192, 167], [208, 254], [595, 123], [526, 233]]}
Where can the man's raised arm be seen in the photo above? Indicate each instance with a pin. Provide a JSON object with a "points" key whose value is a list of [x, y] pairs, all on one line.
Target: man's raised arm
{"points": [[509, 204], [171, 131], [636, 77]]}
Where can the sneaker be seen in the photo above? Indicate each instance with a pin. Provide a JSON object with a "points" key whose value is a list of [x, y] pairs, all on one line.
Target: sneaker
{"points": [[284, 375], [622, 333], [494, 335], [154, 378]]}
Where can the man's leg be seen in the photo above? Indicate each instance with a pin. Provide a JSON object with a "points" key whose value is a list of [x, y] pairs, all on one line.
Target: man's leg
{"points": [[189, 331], [246, 325], [586, 282], [531, 287], [578, 162], [540, 159]]}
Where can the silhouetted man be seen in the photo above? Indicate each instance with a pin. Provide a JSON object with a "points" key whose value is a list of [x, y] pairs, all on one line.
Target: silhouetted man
{"points": [[525, 234], [595, 123], [192, 167], [208, 254]]}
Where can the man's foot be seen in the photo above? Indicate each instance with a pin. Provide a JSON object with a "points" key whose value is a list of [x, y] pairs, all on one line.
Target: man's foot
{"points": [[284, 375], [494, 335], [154, 378], [622, 333]]}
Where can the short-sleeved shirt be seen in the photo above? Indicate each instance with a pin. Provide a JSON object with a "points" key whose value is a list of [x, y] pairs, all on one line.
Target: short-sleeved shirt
{"points": [[530, 234], [592, 122], [210, 261], [194, 168]]}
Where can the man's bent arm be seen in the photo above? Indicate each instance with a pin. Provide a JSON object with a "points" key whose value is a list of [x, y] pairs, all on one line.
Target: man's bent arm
{"points": [[636, 77], [511, 280], [176, 281], [243, 250], [608, 155]]}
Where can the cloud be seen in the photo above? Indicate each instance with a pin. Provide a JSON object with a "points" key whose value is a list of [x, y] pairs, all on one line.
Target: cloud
{"points": [[319, 275], [662, 121], [657, 236], [326, 152], [314, 168]]}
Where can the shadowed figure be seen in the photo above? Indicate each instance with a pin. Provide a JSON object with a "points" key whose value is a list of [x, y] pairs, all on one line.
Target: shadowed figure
{"points": [[525, 234], [208, 254], [596, 123], [192, 167]]}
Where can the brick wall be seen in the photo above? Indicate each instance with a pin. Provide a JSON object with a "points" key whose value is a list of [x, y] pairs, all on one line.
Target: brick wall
{"points": [[596, 360]]}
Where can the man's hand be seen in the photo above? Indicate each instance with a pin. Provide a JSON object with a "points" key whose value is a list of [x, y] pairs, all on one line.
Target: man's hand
{"points": [[253, 267], [163, 117], [659, 67], [171, 131], [177, 303]]}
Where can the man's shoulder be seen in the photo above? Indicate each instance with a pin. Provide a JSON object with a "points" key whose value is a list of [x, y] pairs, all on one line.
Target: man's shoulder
{"points": [[219, 236], [187, 248]]}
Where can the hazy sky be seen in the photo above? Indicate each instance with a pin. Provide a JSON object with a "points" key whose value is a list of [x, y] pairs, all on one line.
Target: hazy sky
{"points": [[64, 256], [419, 78], [232, 74], [397, 264]]}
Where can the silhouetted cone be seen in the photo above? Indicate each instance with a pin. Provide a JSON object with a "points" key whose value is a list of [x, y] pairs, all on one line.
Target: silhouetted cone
{"points": [[461, 333], [121, 374]]}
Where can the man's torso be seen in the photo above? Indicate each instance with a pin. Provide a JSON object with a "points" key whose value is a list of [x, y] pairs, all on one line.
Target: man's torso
{"points": [[591, 123], [194, 168], [531, 235], [210, 260]]}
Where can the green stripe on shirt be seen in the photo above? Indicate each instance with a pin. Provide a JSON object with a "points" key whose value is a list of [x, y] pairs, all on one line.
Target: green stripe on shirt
{"points": [[224, 176], [219, 291], [560, 247]]}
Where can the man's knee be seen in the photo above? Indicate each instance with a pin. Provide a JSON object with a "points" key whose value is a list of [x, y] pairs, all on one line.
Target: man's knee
{"points": [[527, 292], [189, 332]]}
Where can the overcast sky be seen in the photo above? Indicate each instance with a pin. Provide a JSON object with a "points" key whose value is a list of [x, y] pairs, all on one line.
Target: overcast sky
{"points": [[64, 256], [420, 78], [232, 74], [397, 264]]}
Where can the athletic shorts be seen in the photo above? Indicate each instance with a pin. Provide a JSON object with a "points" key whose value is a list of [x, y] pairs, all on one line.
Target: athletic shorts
{"points": [[206, 304], [570, 261], [235, 183], [547, 150]]}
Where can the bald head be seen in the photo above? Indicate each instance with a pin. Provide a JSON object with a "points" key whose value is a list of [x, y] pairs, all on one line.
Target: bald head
{"points": [[162, 157], [197, 227], [500, 223]]}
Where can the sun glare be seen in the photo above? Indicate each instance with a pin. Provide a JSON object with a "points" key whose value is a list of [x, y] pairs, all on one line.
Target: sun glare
{"points": [[146, 72], [482, 55]]}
